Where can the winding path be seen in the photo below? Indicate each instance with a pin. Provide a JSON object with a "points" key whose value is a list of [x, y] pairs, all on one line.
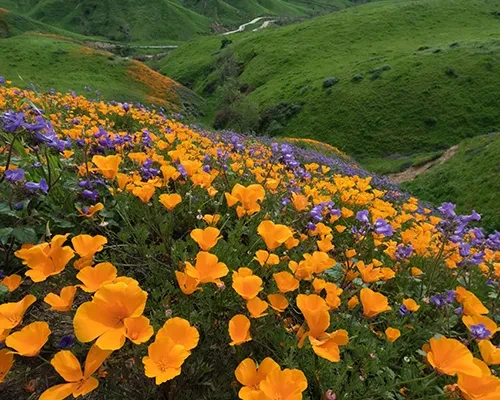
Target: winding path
{"points": [[242, 27]]}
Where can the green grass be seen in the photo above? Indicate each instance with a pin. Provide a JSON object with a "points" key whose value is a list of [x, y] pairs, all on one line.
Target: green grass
{"points": [[429, 100], [397, 163], [470, 179], [52, 63], [153, 20]]}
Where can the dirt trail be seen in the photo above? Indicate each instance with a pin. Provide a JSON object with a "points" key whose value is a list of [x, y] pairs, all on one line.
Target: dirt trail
{"points": [[242, 27], [412, 172]]}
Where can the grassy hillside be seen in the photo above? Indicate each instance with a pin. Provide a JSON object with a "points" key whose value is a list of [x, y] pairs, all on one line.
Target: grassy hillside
{"points": [[153, 20], [470, 179], [56, 62], [415, 76]]}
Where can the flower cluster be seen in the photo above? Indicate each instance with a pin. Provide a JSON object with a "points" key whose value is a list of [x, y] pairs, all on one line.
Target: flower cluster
{"points": [[153, 249]]}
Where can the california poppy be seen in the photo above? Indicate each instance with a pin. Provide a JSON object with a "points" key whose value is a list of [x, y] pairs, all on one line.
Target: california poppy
{"points": [[95, 277], [144, 192], [107, 165], [353, 302], [104, 317], [11, 314], [287, 384], [6, 361], [206, 238], [484, 387], [315, 311], [90, 211], [278, 302], [392, 334], [490, 327], [181, 332], [274, 235], [138, 329], [264, 258], [239, 330], [187, 284], [12, 282], [286, 282], [327, 344], [249, 198], [64, 301], [256, 307], [46, 259], [411, 305], [471, 304], [170, 201], [250, 376], [207, 268], [489, 352], [450, 357], [86, 246], [164, 360], [78, 383], [373, 303], [28, 341], [247, 286]]}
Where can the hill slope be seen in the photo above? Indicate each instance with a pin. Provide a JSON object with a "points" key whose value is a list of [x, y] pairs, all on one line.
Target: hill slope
{"points": [[63, 64], [470, 179], [415, 76], [147, 20]]}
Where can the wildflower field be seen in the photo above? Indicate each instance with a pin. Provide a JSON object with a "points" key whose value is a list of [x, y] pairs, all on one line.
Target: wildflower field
{"points": [[143, 258]]}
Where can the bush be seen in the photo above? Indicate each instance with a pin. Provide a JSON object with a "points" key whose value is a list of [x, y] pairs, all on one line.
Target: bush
{"points": [[329, 82], [357, 78]]}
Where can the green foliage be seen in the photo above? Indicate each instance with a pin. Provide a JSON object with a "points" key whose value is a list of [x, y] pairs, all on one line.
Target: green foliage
{"points": [[413, 106], [470, 179]]}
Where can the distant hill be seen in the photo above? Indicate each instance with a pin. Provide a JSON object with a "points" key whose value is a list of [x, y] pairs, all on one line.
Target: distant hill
{"points": [[402, 77], [52, 61], [471, 179], [153, 20]]}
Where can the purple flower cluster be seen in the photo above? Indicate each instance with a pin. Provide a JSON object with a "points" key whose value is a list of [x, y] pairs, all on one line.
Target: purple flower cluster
{"points": [[380, 227], [147, 170], [440, 300]]}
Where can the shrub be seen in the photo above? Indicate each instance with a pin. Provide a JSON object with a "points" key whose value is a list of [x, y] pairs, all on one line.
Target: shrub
{"points": [[357, 78], [329, 82]]}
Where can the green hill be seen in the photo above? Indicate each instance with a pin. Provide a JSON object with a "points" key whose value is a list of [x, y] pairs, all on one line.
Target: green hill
{"points": [[414, 76], [154, 20], [470, 179], [56, 62]]}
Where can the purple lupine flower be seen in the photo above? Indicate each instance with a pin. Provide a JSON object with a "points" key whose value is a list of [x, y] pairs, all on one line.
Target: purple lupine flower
{"points": [[14, 175], [403, 310], [438, 300], [2, 274], [206, 168], [479, 331], [2, 80], [464, 249], [459, 310], [448, 210], [66, 342], [90, 194], [450, 296], [285, 201], [311, 226], [12, 121], [383, 228], [42, 185], [362, 216]]}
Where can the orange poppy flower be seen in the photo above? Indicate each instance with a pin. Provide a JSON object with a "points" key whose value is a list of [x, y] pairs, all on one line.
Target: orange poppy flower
{"points": [[86, 247], [315, 311], [78, 383], [95, 277], [291, 242], [3, 334], [91, 210], [325, 244], [286, 282], [274, 235], [265, 258], [206, 238], [180, 332], [373, 303], [11, 314], [333, 295], [471, 304], [246, 285], [164, 360], [6, 361], [63, 302], [169, 172], [187, 284], [104, 317], [46, 259], [450, 357], [249, 197], [28, 341], [485, 387], [144, 192], [256, 307], [287, 384], [107, 165], [211, 219], [319, 285], [239, 330], [299, 201], [327, 346], [489, 352], [392, 334], [170, 201], [278, 302], [369, 273], [416, 271], [138, 329], [12, 282], [411, 305], [353, 302], [250, 376], [207, 269]]}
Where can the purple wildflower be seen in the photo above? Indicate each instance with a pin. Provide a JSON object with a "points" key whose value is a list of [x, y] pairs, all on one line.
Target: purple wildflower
{"points": [[383, 228], [14, 175], [42, 185], [66, 342], [480, 332]]}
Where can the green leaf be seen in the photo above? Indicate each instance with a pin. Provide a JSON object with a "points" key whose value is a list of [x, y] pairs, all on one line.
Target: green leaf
{"points": [[5, 209], [5, 234], [25, 235]]}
